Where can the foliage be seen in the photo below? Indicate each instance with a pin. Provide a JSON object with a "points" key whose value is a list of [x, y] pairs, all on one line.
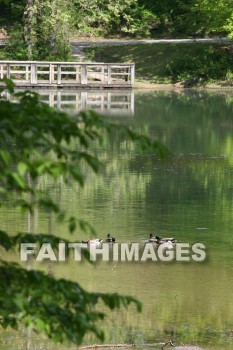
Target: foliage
{"points": [[37, 140], [11, 12], [215, 15], [42, 30], [118, 17], [173, 17], [17, 48], [59, 308], [228, 26], [191, 17]]}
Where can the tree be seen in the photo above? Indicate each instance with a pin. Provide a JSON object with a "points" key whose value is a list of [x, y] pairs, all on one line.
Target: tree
{"points": [[46, 28], [37, 140], [29, 17]]}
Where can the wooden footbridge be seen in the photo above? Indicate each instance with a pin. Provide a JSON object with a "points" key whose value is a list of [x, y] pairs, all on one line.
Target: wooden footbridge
{"points": [[68, 74]]}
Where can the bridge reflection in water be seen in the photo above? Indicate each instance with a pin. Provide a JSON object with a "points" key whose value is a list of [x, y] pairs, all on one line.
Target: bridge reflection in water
{"points": [[117, 102], [112, 102]]}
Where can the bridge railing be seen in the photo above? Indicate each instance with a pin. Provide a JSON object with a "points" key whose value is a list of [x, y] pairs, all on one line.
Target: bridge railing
{"points": [[67, 73]]}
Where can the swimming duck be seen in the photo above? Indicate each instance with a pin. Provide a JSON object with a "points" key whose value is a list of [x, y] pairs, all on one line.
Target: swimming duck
{"points": [[161, 240], [153, 239], [110, 238], [97, 242]]}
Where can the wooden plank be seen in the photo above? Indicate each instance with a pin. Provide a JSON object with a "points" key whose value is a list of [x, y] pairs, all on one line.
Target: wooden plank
{"points": [[103, 73], [109, 74], [33, 74], [84, 74], [43, 72], [8, 71], [51, 73], [128, 74], [27, 72], [18, 71], [59, 74], [120, 67], [69, 73]]}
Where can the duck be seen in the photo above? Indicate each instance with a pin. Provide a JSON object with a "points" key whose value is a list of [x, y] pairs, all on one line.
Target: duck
{"points": [[161, 240], [110, 239], [153, 239], [97, 242]]}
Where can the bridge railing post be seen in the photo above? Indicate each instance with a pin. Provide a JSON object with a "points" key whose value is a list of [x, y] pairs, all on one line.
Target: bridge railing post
{"points": [[51, 73], [109, 74], [27, 72], [33, 73], [8, 71], [84, 74], [58, 74], [77, 74]]}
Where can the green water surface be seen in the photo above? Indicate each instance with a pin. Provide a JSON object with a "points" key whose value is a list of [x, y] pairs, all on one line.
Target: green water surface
{"points": [[189, 196]]}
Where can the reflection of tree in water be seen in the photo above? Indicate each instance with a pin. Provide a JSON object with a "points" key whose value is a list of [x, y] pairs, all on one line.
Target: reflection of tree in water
{"points": [[197, 128]]}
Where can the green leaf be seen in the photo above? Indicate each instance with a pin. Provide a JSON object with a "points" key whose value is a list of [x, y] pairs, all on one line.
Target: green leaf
{"points": [[40, 324], [22, 168], [92, 161], [5, 156], [77, 175], [19, 180]]}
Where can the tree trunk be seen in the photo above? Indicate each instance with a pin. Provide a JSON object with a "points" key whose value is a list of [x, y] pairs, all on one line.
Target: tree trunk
{"points": [[28, 27]]}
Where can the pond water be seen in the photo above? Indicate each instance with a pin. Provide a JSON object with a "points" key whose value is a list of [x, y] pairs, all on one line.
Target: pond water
{"points": [[189, 196]]}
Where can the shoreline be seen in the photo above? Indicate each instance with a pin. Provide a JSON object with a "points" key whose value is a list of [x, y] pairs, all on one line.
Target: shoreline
{"points": [[178, 86]]}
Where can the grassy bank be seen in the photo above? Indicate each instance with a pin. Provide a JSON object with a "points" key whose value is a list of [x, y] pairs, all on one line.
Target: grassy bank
{"points": [[172, 63]]}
